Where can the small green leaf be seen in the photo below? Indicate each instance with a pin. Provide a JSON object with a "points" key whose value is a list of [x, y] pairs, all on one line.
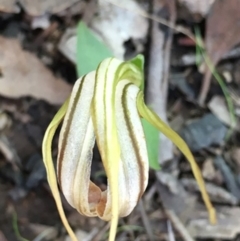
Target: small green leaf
{"points": [[152, 140], [90, 50], [151, 133]]}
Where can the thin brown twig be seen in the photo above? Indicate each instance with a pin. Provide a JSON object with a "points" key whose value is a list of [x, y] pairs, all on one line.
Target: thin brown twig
{"points": [[146, 222], [178, 225], [38, 41], [150, 193], [205, 87]]}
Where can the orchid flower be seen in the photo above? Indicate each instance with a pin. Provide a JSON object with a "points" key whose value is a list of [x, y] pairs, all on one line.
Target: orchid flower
{"points": [[106, 106]]}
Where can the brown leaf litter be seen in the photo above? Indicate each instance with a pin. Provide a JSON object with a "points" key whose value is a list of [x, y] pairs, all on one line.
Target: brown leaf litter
{"points": [[9, 6], [227, 227], [198, 6], [36, 7], [222, 34], [23, 74]]}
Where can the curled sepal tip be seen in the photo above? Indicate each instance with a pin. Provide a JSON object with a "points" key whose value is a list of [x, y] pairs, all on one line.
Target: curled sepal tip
{"points": [[48, 162], [153, 118]]}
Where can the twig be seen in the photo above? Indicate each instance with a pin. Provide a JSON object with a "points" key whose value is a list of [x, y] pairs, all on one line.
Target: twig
{"points": [[178, 225], [158, 71], [39, 40], [146, 222], [149, 194], [205, 87], [170, 231]]}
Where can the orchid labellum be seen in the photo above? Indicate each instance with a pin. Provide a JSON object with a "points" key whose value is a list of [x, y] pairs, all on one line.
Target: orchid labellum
{"points": [[106, 106]]}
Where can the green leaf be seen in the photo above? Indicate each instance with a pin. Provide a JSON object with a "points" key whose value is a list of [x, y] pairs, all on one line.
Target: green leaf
{"points": [[152, 140], [90, 50], [151, 133]]}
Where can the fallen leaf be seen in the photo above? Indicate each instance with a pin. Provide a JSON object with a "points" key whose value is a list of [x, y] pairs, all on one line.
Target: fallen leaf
{"points": [[68, 44], [8, 151], [195, 133], [9, 6], [216, 194], [41, 22], [227, 226], [122, 25], [208, 170], [198, 6], [174, 196], [5, 121], [36, 7], [222, 34], [223, 30], [218, 107], [23, 74]]}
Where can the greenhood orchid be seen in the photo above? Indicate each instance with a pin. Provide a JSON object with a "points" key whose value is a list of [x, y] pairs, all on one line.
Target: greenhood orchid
{"points": [[106, 106]]}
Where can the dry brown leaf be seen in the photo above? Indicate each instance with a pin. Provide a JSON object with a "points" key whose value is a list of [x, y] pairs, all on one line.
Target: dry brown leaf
{"points": [[227, 226], [208, 170], [198, 6], [219, 108], [9, 6], [174, 196], [122, 25], [223, 30], [23, 74], [8, 151], [222, 34], [216, 193], [5, 120], [39, 7]]}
